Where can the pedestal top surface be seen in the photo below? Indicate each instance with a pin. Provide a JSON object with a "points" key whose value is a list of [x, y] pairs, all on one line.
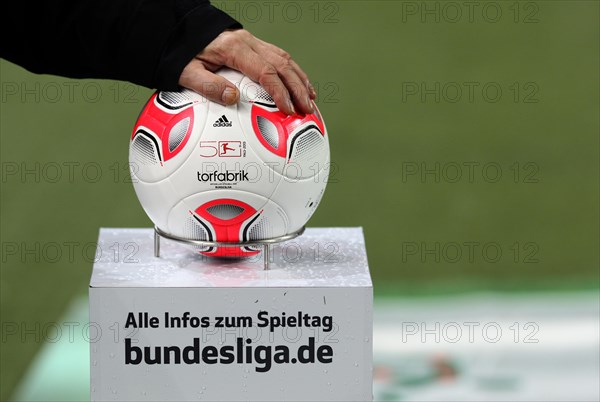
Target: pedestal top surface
{"points": [[321, 257]]}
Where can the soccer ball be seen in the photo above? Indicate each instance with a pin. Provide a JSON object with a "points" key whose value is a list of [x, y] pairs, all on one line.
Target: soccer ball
{"points": [[239, 173]]}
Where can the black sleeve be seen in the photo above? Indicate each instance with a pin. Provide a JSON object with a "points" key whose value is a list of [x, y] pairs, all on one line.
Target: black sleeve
{"points": [[146, 42]]}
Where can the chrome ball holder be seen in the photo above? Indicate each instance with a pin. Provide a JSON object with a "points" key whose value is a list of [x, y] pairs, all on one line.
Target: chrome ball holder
{"points": [[265, 243]]}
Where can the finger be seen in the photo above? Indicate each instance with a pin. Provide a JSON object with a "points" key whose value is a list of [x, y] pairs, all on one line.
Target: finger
{"points": [[213, 87], [284, 55], [311, 90], [258, 69], [293, 82], [296, 87]]}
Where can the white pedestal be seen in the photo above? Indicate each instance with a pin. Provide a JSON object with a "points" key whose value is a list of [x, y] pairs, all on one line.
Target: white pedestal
{"points": [[185, 327]]}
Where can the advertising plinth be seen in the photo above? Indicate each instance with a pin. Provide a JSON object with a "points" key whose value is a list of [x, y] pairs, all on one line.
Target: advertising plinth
{"points": [[186, 327]]}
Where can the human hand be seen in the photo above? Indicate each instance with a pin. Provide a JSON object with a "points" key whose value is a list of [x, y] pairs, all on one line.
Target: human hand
{"points": [[270, 66]]}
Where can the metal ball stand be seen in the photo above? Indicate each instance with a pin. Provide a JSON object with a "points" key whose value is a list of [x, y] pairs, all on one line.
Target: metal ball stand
{"points": [[265, 243]]}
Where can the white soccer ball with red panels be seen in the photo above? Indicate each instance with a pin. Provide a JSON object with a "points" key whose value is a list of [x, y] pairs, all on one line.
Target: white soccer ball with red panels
{"points": [[205, 171]]}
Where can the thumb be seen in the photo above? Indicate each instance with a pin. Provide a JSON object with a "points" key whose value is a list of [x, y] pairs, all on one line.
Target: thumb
{"points": [[208, 84]]}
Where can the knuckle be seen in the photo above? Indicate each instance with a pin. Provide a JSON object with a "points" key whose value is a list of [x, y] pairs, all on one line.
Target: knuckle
{"points": [[285, 65], [229, 39], [286, 56], [244, 33], [286, 69], [267, 72]]}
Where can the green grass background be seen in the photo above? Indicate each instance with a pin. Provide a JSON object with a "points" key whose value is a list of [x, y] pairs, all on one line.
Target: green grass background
{"points": [[360, 54]]}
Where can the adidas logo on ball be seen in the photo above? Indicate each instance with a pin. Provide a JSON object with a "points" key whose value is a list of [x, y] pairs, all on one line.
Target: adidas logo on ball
{"points": [[222, 122]]}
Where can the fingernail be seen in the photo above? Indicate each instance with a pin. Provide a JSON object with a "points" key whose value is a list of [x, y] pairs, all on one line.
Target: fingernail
{"points": [[229, 96], [291, 106], [310, 105]]}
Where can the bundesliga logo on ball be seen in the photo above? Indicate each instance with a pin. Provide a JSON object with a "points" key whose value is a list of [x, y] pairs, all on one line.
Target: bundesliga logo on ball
{"points": [[240, 173]]}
